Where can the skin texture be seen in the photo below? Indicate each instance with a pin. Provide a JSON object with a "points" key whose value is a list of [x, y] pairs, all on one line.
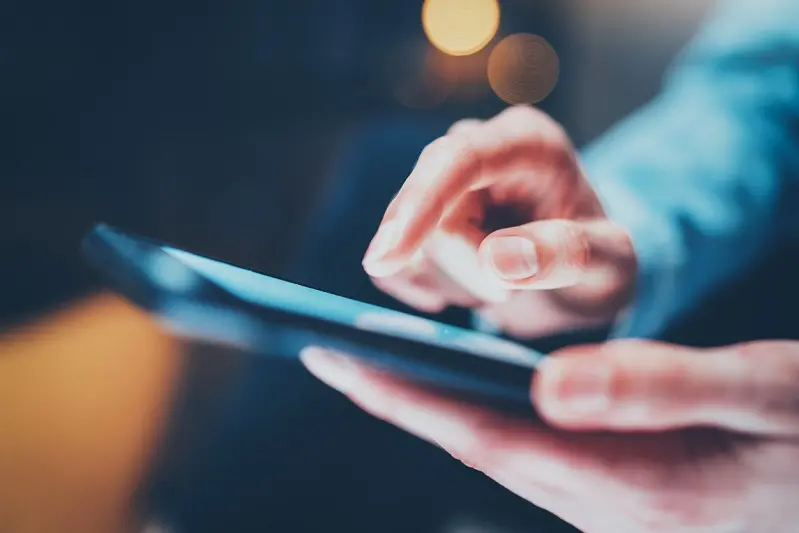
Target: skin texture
{"points": [[498, 216], [636, 437]]}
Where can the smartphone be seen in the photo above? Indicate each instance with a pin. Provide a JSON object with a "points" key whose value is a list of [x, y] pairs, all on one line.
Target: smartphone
{"points": [[202, 299]]}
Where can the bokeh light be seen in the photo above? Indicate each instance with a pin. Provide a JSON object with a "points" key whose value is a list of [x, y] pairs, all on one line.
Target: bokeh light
{"points": [[460, 27], [415, 77], [523, 69], [421, 76]]}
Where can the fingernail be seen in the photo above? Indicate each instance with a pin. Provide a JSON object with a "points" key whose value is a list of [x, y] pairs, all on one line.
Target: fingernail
{"points": [[577, 387], [387, 238], [513, 258], [334, 370]]}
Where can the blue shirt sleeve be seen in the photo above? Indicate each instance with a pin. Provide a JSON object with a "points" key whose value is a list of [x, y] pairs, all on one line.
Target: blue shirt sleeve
{"points": [[705, 177]]}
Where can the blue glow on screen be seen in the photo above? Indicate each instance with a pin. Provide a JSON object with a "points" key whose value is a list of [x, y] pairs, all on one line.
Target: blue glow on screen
{"points": [[278, 294]]}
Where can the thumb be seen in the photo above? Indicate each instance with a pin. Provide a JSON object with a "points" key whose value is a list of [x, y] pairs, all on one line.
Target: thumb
{"points": [[644, 386], [553, 254]]}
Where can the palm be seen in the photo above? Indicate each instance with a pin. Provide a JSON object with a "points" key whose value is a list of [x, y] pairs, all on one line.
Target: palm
{"points": [[689, 480], [619, 462]]}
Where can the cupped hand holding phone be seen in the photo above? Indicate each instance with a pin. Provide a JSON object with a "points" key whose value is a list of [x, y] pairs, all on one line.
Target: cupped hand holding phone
{"points": [[642, 437], [498, 216]]}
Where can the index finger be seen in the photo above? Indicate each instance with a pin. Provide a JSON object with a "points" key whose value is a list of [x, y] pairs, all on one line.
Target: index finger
{"points": [[463, 159]]}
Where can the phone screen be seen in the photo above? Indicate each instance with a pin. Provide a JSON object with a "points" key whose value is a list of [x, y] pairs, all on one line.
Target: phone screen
{"points": [[271, 292]]}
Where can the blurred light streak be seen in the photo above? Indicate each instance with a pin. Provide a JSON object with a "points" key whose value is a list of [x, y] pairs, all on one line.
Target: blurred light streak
{"points": [[83, 396]]}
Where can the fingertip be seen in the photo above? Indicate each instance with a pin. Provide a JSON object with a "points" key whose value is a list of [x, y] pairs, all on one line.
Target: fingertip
{"points": [[457, 255], [314, 359], [384, 255], [377, 267], [311, 353], [335, 370], [433, 307]]}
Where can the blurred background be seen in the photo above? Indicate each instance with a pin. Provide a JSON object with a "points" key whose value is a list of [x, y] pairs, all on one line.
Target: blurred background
{"points": [[213, 125], [237, 129]]}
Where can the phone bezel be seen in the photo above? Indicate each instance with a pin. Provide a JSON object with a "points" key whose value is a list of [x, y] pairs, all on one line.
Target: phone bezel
{"points": [[204, 311]]}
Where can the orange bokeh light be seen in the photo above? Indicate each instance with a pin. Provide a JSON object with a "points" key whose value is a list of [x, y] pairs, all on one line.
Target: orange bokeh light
{"points": [[460, 27], [523, 69]]}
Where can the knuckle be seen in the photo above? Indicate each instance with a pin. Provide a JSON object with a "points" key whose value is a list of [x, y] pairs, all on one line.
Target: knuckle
{"points": [[466, 124], [552, 134], [452, 150], [391, 286], [388, 285], [436, 204], [774, 368], [563, 161], [546, 140], [432, 149], [556, 134], [537, 123], [418, 266], [575, 238], [447, 146], [396, 285], [525, 114], [461, 149]]}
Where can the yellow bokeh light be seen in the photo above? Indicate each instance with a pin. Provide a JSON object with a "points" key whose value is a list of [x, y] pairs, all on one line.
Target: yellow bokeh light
{"points": [[460, 27]]}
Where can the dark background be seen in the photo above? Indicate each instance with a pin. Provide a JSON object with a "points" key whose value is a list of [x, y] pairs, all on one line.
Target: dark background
{"points": [[227, 128], [209, 124]]}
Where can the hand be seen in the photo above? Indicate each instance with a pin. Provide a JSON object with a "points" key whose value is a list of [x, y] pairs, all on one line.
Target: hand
{"points": [[642, 437], [494, 213]]}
